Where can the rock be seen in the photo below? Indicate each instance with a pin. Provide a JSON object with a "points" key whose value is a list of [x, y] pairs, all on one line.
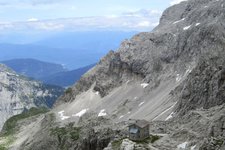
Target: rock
{"points": [[18, 93], [127, 145]]}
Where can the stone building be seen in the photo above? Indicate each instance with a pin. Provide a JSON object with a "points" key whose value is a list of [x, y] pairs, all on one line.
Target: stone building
{"points": [[138, 130]]}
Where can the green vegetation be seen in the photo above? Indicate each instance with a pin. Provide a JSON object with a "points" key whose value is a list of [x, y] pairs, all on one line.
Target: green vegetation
{"points": [[2, 147], [6, 141], [154, 138], [150, 139], [65, 134], [218, 142], [69, 91], [116, 144], [10, 124]]}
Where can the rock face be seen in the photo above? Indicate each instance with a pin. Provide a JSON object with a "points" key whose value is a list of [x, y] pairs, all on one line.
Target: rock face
{"points": [[172, 76], [18, 93], [186, 33]]}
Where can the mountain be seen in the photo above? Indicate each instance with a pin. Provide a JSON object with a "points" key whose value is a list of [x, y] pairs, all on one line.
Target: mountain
{"points": [[72, 49], [33, 68], [17, 93], [66, 78], [172, 77]]}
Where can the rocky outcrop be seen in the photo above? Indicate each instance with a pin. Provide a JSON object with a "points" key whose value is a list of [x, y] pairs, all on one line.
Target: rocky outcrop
{"points": [[18, 93], [204, 87]]}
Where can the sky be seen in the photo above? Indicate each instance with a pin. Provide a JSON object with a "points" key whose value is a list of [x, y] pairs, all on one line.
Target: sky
{"points": [[65, 14]]}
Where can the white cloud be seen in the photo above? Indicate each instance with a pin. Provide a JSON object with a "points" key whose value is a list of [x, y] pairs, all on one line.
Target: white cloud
{"points": [[32, 20], [173, 2], [142, 20], [144, 24]]}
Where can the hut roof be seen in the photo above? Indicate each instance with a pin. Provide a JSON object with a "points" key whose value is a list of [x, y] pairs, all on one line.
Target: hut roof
{"points": [[139, 123]]}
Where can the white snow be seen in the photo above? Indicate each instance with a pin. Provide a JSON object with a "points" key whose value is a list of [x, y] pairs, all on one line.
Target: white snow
{"points": [[187, 27], [188, 70], [102, 113], [97, 93], [206, 6], [129, 112], [61, 112], [81, 113], [193, 147], [135, 98], [197, 24], [179, 21], [65, 117], [170, 116], [164, 111], [121, 117], [144, 85], [61, 115], [178, 78], [141, 103], [182, 145]]}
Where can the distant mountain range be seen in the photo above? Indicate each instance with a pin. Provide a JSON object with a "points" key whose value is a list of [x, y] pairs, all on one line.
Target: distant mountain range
{"points": [[73, 49], [50, 73], [66, 78], [34, 68]]}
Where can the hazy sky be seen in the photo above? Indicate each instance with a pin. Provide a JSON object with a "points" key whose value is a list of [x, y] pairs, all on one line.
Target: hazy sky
{"points": [[145, 13], [22, 10]]}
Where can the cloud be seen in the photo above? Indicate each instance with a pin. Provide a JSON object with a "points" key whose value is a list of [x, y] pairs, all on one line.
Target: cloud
{"points": [[32, 20], [173, 2], [141, 20]]}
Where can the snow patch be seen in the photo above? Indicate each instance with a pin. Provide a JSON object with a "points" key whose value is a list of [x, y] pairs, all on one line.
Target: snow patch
{"points": [[102, 113], [182, 145], [197, 24], [61, 115], [144, 85], [187, 27], [188, 70], [129, 112], [141, 103], [135, 98], [97, 93], [121, 117], [193, 147], [81, 113], [164, 111], [178, 78], [170, 116], [179, 21]]}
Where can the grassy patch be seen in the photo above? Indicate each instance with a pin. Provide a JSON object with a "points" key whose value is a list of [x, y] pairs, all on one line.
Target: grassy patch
{"points": [[116, 144], [2, 147], [150, 139], [219, 142], [6, 142], [65, 134], [10, 124], [154, 138]]}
